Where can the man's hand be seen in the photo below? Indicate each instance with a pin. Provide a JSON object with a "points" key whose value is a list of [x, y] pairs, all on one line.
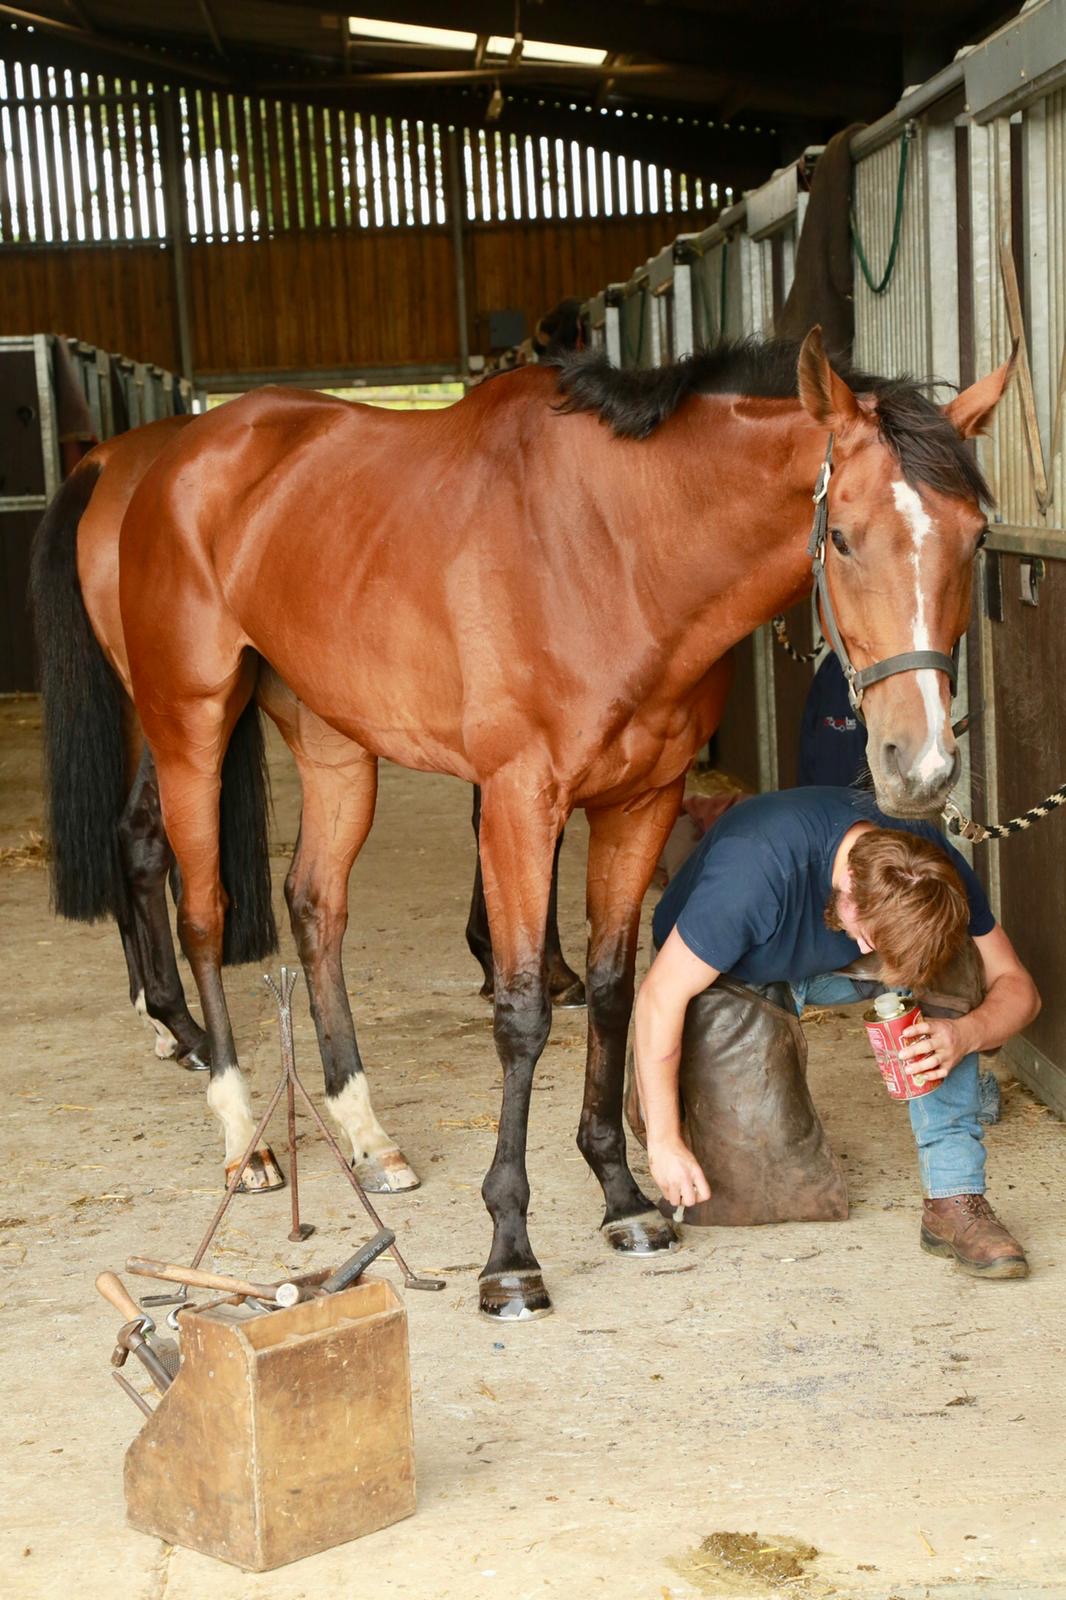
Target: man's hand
{"points": [[678, 1173], [934, 1047]]}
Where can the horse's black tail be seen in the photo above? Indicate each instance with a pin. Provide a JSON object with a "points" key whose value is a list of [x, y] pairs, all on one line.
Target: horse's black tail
{"points": [[250, 931], [84, 753]]}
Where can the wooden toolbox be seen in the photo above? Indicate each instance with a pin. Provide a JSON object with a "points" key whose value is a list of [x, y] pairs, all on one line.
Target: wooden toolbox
{"points": [[282, 1434]]}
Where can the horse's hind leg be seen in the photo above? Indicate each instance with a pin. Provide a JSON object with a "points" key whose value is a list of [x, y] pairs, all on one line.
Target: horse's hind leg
{"points": [[189, 742], [564, 986], [147, 858], [339, 782], [623, 850]]}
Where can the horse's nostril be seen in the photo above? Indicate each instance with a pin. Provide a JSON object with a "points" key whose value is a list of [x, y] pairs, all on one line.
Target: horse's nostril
{"points": [[890, 758]]}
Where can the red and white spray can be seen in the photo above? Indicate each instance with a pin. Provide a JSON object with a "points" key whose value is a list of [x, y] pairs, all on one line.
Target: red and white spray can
{"points": [[885, 1026]]}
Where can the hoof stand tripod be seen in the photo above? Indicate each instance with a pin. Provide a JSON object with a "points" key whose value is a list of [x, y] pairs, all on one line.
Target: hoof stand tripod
{"points": [[289, 1084]]}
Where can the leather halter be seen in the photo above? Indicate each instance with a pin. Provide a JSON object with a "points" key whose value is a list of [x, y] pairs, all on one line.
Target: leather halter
{"points": [[860, 679]]}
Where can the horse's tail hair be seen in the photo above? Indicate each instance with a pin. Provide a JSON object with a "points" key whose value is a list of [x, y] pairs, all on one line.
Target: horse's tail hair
{"points": [[244, 810], [82, 707]]}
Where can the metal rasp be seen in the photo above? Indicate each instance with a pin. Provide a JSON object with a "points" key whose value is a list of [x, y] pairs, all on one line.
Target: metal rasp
{"points": [[356, 1265]]}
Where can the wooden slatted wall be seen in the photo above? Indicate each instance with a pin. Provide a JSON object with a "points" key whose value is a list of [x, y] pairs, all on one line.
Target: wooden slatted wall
{"points": [[299, 222]]}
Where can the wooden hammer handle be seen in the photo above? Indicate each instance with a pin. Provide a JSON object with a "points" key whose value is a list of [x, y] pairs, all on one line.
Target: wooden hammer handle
{"points": [[198, 1278], [113, 1289]]}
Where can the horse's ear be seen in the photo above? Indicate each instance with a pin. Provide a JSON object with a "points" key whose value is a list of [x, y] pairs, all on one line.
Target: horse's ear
{"points": [[823, 394], [971, 411]]}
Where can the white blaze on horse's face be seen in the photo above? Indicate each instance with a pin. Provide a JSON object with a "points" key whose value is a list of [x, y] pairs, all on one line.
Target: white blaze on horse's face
{"points": [[933, 764]]}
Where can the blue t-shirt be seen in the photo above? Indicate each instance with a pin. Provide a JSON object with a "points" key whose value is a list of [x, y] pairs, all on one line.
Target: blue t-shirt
{"points": [[751, 898]]}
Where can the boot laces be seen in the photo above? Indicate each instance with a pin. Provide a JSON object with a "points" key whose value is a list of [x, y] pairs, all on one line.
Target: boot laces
{"points": [[976, 1205]]}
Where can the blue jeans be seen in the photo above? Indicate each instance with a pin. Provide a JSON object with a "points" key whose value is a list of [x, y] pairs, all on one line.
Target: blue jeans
{"points": [[945, 1123]]}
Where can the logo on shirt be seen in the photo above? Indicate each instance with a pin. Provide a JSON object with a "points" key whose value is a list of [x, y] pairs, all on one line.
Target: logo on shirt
{"points": [[840, 724]]}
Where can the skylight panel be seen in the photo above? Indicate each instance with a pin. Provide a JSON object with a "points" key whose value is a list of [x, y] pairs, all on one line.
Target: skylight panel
{"points": [[411, 33], [538, 50]]}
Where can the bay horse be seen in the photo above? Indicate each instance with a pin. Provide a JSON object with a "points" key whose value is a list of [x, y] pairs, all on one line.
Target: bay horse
{"points": [[536, 590], [89, 510]]}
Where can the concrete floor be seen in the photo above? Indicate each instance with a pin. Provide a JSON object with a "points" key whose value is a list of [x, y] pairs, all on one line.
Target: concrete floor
{"points": [[828, 1383]]}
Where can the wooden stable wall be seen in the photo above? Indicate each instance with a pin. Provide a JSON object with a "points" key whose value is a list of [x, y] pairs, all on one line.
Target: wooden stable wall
{"points": [[316, 300], [120, 298]]}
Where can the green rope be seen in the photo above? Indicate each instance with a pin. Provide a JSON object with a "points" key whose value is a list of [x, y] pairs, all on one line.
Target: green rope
{"points": [[897, 226]]}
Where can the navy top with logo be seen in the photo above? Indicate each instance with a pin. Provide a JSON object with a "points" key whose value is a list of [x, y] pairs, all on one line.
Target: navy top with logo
{"points": [[832, 739], [751, 898]]}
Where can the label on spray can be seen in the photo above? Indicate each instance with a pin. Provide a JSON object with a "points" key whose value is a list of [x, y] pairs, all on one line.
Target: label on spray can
{"points": [[885, 1026]]}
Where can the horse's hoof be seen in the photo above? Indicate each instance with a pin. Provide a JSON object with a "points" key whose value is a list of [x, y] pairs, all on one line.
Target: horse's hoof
{"points": [[386, 1173], [571, 997], [645, 1235], [514, 1296], [193, 1061], [487, 992], [260, 1176]]}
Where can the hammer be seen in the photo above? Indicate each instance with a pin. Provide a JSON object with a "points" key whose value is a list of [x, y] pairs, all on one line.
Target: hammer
{"points": [[164, 1352], [278, 1294], [160, 1357]]}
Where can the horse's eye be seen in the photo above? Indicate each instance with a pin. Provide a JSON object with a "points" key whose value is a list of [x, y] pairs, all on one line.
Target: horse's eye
{"points": [[982, 539], [841, 543]]}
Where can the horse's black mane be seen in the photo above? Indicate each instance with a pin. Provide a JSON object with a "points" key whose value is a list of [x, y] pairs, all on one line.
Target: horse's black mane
{"points": [[634, 401]]}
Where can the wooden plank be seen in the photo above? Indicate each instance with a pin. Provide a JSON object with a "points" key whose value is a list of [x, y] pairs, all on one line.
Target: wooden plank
{"points": [[292, 183], [66, 168], [8, 211], [244, 314], [240, 144], [435, 136], [387, 134], [202, 148], [356, 166], [236, 166], [147, 146], [377, 171], [114, 165], [227, 183], [274, 176], [101, 137], [255, 136], [1016, 320], [1029, 657], [560, 187], [408, 212], [512, 154], [335, 133], [29, 216], [483, 209], [305, 133], [316, 150], [45, 133]]}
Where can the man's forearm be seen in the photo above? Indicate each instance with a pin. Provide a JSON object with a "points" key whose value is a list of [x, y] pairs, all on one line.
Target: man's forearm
{"points": [[1010, 1005], [657, 1048]]}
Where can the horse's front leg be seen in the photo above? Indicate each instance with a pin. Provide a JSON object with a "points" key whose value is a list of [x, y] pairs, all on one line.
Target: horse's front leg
{"points": [[518, 837], [339, 781], [623, 849], [564, 986]]}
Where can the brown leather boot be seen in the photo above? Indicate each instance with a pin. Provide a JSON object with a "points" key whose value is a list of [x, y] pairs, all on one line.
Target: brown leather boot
{"points": [[966, 1227]]}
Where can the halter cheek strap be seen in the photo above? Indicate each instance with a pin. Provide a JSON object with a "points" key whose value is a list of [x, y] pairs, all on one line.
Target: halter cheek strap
{"points": [[859, 680]]}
